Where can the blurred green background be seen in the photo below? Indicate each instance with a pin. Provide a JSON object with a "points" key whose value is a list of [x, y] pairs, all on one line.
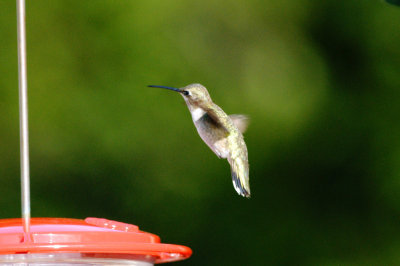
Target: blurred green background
{"points": [[319, 79]]}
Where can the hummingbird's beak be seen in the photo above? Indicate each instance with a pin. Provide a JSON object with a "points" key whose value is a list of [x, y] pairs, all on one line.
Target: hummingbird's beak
{"points": [[165, 87]]}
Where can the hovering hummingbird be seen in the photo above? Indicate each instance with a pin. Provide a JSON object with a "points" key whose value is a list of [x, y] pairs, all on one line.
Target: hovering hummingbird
{"points": [[222, 133]]}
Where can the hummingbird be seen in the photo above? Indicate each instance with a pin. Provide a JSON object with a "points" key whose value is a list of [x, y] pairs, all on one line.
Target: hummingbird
{"points": [[221, 132]]}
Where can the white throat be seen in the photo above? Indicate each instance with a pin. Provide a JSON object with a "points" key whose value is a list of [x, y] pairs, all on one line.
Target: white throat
{"points": [[197, 113]]}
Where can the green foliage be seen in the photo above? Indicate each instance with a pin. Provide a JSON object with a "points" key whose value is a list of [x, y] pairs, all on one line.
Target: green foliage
{"points": [[319, 79]]}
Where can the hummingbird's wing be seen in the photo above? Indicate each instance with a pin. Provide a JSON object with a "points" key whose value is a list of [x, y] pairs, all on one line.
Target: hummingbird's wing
{"points": [[240, 121], [219, 117], [213, 134]]}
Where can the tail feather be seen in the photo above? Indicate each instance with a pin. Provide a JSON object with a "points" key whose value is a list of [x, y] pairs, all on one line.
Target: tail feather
{"points": [[237, 158], [241, 189]]}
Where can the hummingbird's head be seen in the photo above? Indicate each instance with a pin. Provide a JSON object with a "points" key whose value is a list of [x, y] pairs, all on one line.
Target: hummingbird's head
{"points": [[194, 94]]}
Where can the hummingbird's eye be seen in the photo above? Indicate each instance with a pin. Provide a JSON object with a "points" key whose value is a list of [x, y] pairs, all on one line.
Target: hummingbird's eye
{"points": [[186, 93]]}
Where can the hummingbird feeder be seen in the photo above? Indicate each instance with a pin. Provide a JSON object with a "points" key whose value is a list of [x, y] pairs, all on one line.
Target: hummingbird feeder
{"points": [[62, 241]]}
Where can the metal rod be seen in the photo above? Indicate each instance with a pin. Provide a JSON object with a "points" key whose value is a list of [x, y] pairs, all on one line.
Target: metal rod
{"points": [[23, 116]]}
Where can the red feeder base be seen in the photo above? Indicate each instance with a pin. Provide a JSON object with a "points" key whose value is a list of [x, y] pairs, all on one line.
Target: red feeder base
{"points": [[90, 241]]}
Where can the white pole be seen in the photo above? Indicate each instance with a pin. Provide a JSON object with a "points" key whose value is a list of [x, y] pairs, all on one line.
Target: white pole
{"points": [[23, 116]]}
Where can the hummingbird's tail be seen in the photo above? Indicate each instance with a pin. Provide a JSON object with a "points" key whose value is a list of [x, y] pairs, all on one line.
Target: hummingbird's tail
{"points": [[242, 188], [237, 158]]}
